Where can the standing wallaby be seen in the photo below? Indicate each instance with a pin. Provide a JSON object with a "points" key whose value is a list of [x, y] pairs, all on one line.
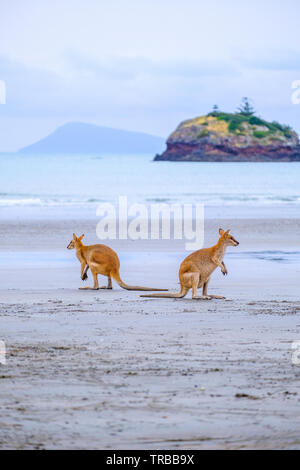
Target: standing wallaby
{"points": [[196, 269], [101, 259]]}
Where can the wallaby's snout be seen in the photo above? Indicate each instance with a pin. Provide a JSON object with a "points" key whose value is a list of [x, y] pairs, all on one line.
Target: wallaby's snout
{"points": [[234, 241]]}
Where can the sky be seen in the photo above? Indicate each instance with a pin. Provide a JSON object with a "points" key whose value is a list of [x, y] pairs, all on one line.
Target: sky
{"points": [[143, 65]]}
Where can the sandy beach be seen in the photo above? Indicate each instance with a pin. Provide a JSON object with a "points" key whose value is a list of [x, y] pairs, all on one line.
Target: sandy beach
{"points": [[110, 370]]}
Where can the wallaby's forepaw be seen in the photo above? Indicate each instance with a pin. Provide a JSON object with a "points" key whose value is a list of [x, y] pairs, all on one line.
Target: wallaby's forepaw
{"points": [[225, 272], [84, 277]]}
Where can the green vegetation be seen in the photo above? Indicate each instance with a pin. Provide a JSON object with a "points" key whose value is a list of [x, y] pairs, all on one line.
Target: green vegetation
{"points": [[239, 122], [235, 121], [245, 108], [204, 133], [256, 121], [288, 132], [260, 134]]}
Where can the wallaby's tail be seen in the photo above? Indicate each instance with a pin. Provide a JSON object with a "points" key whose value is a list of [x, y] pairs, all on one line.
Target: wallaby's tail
{"points": [[116, 277], [178, 295]]}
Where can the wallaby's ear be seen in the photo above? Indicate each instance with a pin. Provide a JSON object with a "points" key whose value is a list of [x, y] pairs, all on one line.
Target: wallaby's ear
{"points": [[74, 237], [221, 232], [226, 233], [81, 237]]}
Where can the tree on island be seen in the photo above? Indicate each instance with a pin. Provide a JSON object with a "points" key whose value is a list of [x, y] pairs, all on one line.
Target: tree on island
{"points": [[245, 108], [215, 111]]}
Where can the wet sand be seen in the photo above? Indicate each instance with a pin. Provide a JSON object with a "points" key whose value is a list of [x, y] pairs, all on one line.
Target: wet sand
{"points": [[111, 370]]}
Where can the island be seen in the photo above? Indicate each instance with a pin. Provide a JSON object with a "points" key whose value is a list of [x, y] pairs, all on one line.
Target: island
{"points": [[232, 137]]}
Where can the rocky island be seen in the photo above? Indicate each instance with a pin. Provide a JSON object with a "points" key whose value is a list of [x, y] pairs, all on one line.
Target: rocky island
{"points": [[232, 137]]}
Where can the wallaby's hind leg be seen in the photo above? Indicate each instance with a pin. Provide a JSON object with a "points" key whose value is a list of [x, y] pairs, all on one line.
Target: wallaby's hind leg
{"points": [[96, 285], [109, 284], [195, 284], [204, 293]]}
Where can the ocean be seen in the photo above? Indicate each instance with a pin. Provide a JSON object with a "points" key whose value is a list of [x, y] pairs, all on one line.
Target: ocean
{"points": [[68, 185]]}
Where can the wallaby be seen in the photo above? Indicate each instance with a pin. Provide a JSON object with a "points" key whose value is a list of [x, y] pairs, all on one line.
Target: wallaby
{"points": [[101, 259], [196, 269]]}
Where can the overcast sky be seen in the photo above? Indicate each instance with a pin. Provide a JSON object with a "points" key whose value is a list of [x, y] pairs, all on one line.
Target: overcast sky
{"points": [[143, 65]]}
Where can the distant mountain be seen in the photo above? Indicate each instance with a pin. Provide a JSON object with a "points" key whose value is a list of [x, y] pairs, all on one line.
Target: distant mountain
{"points": [[81, 138]]}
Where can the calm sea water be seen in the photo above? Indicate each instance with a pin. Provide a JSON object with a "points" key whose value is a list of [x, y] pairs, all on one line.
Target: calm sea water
{"points": [[65, 185]]}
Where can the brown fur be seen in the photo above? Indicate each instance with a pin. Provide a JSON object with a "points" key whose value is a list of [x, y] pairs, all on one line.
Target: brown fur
{"points": [[101, 259], [195, 271]]}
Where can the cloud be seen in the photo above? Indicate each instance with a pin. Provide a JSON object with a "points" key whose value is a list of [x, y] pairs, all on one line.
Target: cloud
{"points": [[276, 60], [129, 68], [89, 86], [29, 90]]}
